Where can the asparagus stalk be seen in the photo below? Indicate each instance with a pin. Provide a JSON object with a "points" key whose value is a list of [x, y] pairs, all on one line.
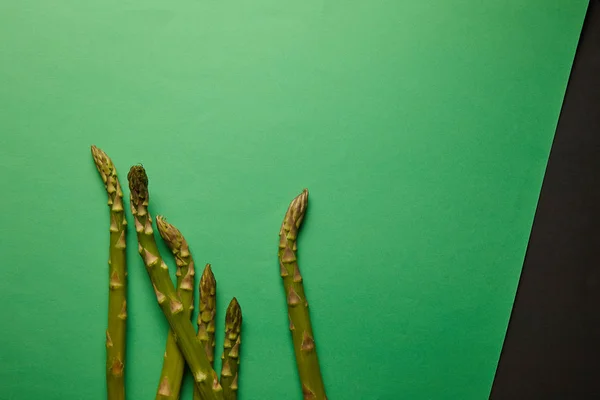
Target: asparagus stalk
{"points": [[170, 302], [117, 275], [206, 316], [299, 318], [231, 350], [171, 376]]}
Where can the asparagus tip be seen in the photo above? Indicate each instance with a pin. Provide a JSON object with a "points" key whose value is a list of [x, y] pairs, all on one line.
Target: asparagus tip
{"points": [[207, 281], [161, 222], [98, 153], [297, 209], [138, 184], [233, 317], [103, 162], [208, 271], [170, 234]]}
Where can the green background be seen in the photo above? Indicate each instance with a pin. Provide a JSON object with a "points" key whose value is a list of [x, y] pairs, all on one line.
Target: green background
{"points": [[421, 128]]}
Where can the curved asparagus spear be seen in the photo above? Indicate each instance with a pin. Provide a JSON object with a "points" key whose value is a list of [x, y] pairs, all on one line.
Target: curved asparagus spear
{"points": [[300, 325], [205, 377], [206, 316], [117, 275], [169, 387], [231, 350]]}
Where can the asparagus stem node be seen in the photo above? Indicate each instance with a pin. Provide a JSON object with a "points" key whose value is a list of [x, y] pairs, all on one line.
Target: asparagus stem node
{"points": [[117, 278], [171, 377], [305, 351], [170, 302]]}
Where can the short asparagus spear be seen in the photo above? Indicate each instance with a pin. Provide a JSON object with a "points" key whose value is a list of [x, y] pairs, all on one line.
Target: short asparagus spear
{"points": [[117, 275], [206, 316], [169, 387], [170, 302], [231, 350], [300, 325]]}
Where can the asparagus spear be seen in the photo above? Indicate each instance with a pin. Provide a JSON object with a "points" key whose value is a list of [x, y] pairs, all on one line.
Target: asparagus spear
{"points": [[206, 316], [231, 350], [299, 318], [117, 275], [171, 376], [170, 302]]}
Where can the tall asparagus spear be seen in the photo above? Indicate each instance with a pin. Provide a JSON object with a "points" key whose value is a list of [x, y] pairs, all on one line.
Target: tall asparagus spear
{"points": [[170, 302], [206, 316], [117, 275], [231, 350], [169, 387], [300, 325]]}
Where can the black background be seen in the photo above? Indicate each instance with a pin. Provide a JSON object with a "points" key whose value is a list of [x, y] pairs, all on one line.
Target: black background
{"points": [[552, 346]]}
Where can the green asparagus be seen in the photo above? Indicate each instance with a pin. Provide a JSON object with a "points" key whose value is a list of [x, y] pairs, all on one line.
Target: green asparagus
{"points": [[169, 387], [117, 278], [231, 350], [170, 302], [206, 316], [300, 325]]}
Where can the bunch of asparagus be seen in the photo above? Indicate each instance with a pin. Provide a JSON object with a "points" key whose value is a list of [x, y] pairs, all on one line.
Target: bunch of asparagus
{"points": [[185, 345]]}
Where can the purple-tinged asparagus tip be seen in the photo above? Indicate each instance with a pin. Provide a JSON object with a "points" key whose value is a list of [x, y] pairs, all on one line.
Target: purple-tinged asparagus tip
{"points": [[138, 185]]}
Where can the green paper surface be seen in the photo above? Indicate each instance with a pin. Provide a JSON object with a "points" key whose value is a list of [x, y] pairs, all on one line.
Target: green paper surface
{"points": [[421, 128]]}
